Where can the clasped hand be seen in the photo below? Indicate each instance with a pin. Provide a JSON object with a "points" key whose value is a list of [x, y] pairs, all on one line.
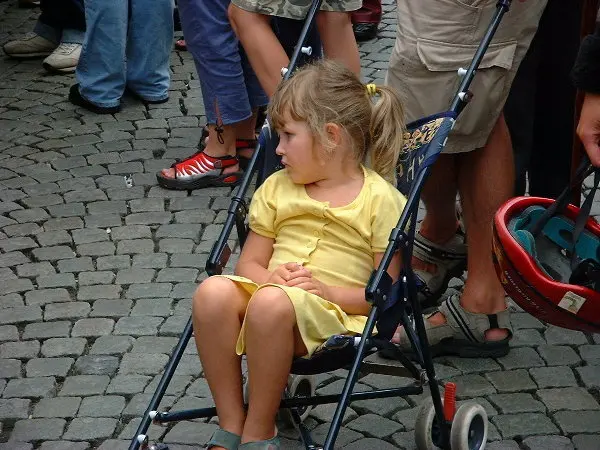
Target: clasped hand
{"points": [[295, 275]]}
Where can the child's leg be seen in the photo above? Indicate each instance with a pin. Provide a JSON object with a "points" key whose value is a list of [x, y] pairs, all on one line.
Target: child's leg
{"points": [[339, 43], [272, 340], [218, 310], [261, 45]]}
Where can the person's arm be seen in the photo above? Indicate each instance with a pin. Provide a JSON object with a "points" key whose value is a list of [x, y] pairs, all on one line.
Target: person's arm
{"points": [[255, 257], [351, 300], [586, 75], [254, 262]]}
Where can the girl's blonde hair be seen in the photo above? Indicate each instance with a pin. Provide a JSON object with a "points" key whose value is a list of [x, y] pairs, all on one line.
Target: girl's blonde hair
{"points": [[327, 92]]}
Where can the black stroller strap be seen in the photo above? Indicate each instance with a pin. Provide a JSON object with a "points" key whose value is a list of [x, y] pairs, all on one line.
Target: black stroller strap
{"points": [[582, 217], [563, 200]]}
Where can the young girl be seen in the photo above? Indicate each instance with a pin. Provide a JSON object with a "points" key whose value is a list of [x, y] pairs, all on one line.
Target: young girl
{"points": [[250, 20], [318, 229]]}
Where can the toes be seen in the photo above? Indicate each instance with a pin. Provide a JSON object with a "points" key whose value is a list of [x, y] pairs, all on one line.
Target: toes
{"points": [[169, 173]]}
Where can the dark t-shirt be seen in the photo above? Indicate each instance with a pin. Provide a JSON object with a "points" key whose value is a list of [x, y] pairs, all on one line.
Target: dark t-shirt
{"points": [[586, 73]]}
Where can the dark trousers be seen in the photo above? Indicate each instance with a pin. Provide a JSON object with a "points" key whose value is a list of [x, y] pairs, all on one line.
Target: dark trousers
{"points": [[541, 106], [369, 13], [63, 14]]}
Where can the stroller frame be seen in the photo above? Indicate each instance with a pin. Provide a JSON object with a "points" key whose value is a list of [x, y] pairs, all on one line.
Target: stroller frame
{"points": [[377, 290]]}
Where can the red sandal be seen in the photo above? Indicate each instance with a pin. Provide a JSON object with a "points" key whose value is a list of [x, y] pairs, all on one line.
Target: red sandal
{"points": [[180, 45], [201, 170]]}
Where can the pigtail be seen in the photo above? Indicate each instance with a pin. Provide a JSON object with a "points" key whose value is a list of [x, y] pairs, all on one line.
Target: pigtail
{"points": [[386, 131]]}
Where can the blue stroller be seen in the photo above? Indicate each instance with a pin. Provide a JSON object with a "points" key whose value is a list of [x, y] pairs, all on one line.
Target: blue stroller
{"points": [[439, 425]]}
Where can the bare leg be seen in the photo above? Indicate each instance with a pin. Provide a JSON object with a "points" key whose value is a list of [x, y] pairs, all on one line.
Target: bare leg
{"points": [[272, 340], [339, 43], [218, 310], [486, 180], [265, 53], [439, 196], [246, 128]]}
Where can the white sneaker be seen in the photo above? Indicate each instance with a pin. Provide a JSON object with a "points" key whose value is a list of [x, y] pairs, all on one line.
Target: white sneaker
{"points": [[29, 46], [64, 59]]}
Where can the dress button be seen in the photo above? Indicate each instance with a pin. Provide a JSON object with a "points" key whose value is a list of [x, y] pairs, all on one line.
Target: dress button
{"points": [[316, 233]]}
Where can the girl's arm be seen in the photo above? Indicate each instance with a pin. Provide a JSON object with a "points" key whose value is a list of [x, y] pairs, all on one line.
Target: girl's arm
{"points": [[255, 258], [352, 300]]}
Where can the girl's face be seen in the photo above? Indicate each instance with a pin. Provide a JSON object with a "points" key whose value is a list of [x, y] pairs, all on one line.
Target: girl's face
{"points": [[299, 154]]}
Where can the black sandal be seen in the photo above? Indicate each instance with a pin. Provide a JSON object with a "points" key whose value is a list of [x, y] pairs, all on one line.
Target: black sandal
{"points": [[244, 156], [201, 170]]}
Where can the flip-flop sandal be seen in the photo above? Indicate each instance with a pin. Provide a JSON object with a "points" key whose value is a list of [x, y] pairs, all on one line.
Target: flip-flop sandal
{"points": [[450, 260], [201, 170], [269, 444], [181, 45], [462, 335], [225, 439]]}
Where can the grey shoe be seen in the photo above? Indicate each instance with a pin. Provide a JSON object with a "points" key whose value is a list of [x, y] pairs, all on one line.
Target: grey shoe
{"points": [[269, 444], [29, 46], [463, 334], [450, 260], [64, 59], [225, 439]]}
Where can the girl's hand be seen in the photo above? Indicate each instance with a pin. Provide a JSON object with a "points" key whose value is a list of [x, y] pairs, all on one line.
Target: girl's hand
{"points": [[310, 284], [286, 272]]}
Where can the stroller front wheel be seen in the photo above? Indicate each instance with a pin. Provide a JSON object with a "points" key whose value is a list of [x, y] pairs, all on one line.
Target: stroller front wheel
{"points": [[469, 428]]}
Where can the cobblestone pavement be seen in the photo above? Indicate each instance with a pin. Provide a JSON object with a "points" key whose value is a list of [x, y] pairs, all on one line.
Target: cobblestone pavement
{"points": [[96, 278]]}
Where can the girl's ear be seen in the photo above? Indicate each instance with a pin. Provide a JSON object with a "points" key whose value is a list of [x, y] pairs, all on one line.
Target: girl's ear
{"points": [[334, 133]]}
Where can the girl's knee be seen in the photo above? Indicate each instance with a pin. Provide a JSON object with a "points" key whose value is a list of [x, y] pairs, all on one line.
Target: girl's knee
{"points": [[270, 306], [214, 294]]}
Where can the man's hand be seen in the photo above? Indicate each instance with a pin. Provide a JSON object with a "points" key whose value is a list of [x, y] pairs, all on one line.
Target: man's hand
{"points": [[286, 272], [588, 129]]}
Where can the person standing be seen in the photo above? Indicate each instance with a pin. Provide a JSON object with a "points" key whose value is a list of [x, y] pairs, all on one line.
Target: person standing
{"points": [[57, 36], [542, 98], [127, 46]]}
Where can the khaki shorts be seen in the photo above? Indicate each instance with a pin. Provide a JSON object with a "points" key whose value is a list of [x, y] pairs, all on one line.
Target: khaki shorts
{"points": [[294, 9], [436, 38]]}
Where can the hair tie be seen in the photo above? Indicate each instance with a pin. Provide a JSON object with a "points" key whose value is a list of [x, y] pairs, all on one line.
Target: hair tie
{"points": [[371, 89]]}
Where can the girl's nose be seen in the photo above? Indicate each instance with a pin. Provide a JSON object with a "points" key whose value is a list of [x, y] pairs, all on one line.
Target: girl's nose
{"points": [[279, 150]]}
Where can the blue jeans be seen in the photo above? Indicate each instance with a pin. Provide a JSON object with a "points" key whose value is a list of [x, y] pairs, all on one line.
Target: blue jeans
{"points": [[127, 44], [230, 89]]}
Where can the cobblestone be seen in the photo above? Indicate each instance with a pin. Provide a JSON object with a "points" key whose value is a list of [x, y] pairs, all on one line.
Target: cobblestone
{"points": [[96, 280]]}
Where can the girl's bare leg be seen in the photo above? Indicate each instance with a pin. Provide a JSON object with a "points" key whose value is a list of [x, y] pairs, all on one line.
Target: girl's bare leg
{"points": [[218, 311], [339, 43], [265, 53], [272, 340]]}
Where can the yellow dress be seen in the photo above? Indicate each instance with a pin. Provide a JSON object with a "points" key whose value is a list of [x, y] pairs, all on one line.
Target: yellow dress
{"points": [[336, 244]]}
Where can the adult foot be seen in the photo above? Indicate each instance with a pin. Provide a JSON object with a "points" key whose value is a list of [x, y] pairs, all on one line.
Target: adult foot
{"points": [[76, 98], [436, 262], [31, 45], [64, 59], [453, 330], [201, 170]]}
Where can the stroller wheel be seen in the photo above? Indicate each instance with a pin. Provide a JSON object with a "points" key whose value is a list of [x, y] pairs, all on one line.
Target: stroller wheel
{"points": [[301, 386], [427, 428], [469, 428]]}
